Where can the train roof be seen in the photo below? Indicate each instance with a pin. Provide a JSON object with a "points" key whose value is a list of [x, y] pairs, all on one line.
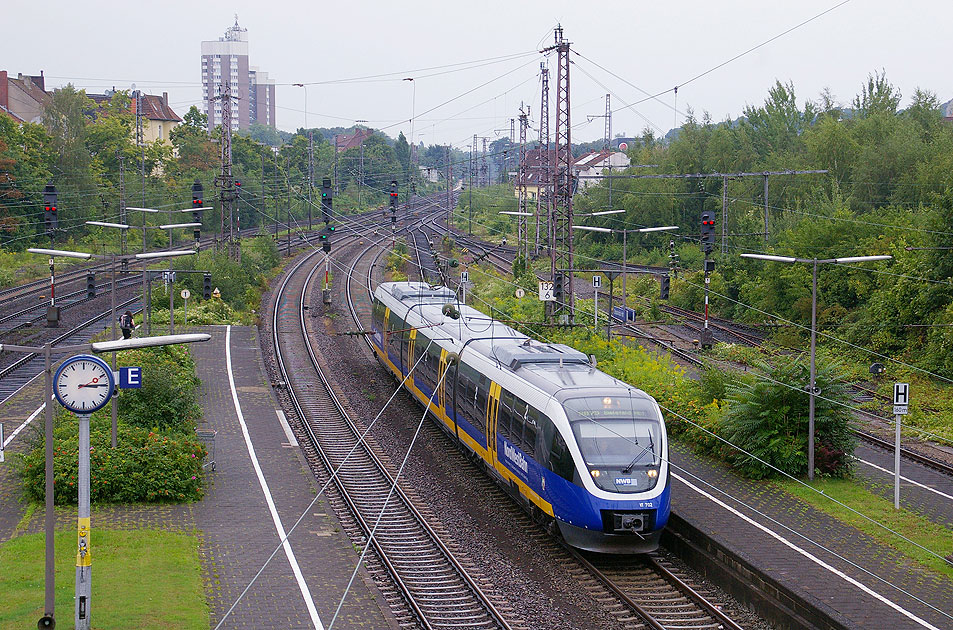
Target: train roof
{"points": [[553, 367]]}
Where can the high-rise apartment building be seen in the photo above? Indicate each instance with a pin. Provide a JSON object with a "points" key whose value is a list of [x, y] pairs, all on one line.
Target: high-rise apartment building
{"points": [[253, 93]]}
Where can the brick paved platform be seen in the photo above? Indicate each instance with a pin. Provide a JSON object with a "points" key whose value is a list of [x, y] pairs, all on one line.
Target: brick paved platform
{"points": [[239, 533], [846, 603]]}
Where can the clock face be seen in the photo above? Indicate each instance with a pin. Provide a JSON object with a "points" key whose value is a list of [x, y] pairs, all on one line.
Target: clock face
{"points": [[83, 384]]}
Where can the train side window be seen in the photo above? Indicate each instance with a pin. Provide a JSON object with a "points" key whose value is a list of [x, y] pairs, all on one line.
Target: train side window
{"points": [[505, 415], [560, 459], [482, 394], [519, 419], [530, 428]]}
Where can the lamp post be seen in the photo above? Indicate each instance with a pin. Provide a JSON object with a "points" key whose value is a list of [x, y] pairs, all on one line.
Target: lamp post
{"points": [[48, 619], [170, 227], [305, 87], [413, 115], [625, 253], [144, 211], [49, 598], [812, 386], [151, 256], [112, 291]]}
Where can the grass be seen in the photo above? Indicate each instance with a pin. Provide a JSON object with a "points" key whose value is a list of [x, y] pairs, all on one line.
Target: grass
{"points": [[924, 532], [141, 579]]}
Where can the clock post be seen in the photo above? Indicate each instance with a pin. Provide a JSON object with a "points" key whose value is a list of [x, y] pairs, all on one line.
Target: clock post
{"points": [[83, 547], [83, 384]]}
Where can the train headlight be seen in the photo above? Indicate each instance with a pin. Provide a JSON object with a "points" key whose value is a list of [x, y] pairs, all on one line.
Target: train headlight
{"points": [[652, 473], [595, 473]]}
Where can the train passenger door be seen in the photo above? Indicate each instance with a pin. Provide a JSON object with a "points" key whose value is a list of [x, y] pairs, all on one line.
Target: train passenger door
{"points": [[441, 384], [408, 356], [385, 332], [492, 409]]}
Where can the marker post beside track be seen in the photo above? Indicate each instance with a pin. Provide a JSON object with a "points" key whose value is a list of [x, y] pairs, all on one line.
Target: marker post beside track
{"points": [[326, 295]]}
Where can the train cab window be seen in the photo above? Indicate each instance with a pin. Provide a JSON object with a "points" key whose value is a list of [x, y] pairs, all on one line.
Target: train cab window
{"points": [[395, 327], [378, 315], [618, 432]]}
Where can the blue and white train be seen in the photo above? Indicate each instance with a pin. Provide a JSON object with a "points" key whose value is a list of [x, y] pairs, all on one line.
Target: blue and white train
{"points": [[575, 445]]}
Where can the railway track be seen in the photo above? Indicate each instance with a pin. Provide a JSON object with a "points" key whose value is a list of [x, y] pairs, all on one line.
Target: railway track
{"points": [[654, 590], [651, 595], [435, 588], [21, 372]]}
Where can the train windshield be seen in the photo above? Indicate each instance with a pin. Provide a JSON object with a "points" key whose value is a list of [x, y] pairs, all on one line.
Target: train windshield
{"points": [[616, 432]]}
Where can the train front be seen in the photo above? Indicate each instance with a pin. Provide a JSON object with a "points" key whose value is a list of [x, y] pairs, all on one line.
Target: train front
{"points": [[621, 437]]}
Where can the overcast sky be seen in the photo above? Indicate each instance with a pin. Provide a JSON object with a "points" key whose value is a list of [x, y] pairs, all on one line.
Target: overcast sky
{"points": [[653, 46]]}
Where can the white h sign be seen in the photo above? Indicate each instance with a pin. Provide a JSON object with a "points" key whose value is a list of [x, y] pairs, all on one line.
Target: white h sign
{"points": [[597, 281], [901, 398]]}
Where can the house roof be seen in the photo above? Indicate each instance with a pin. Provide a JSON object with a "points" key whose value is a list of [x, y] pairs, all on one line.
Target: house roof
{"points": [[29, 85], [155, 108], [354, 140], [591, 159], [4, 110], [535, 171]]}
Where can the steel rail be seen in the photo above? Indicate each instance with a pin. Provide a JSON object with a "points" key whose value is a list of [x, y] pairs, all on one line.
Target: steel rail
{"points": [[430, 609], [666, 604]]}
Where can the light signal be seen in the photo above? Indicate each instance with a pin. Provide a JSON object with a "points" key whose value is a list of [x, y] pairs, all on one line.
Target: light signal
{"points": [[50, 220], [708, 230]]}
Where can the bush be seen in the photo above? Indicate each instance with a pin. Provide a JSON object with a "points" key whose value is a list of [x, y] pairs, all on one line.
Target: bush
{"points": [[770, 420], [203, 313], [145, 467], [166, 400]]}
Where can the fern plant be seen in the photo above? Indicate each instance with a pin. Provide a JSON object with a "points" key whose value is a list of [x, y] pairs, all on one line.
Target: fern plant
{"points": [[769, 419]]}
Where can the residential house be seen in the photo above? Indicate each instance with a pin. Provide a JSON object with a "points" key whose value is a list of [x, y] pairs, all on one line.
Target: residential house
{"points": [[23, 98], [587, 168], [158, 119], [345, 141]]}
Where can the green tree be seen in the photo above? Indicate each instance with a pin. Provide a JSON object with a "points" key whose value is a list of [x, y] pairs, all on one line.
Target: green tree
{"points": [[877, 96], [402, 152]]}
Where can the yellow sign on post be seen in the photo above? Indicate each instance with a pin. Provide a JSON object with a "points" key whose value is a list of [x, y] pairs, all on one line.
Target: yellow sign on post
{"points": [[216, 293]]}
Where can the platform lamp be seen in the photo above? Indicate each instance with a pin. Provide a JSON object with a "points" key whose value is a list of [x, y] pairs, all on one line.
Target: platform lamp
{"points": [[170, 227], [155, 255], [112, 291], [812, 386], [624, 233]]}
